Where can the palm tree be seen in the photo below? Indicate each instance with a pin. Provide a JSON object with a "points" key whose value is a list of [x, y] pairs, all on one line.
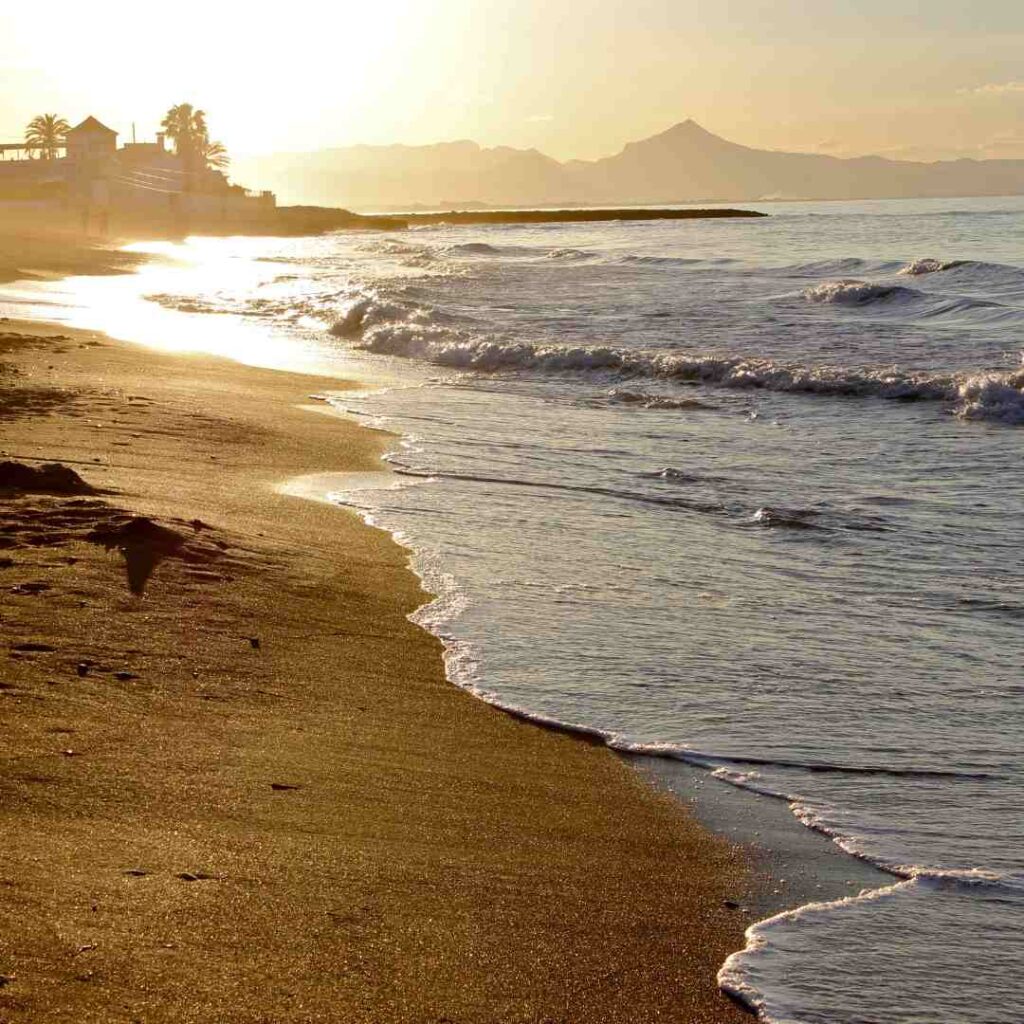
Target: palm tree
{"points": [[215, 155], [186, 127], [45, 134]]}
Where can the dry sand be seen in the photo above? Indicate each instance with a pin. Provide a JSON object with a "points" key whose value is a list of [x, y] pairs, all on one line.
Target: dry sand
{"points": [[251, 795]]}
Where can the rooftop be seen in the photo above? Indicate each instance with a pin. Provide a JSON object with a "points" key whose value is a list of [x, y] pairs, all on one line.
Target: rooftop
{"points": [[91, 125]]}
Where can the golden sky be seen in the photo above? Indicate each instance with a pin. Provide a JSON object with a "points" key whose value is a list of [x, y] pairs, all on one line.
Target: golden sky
{"points": [[574, 78]]}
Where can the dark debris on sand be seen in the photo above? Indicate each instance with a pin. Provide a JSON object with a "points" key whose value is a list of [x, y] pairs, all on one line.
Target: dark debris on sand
{"points": [[48, 506], [50, 478]]}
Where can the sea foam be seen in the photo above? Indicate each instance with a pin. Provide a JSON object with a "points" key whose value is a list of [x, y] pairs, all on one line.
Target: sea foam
{"points": [[384, 327]]}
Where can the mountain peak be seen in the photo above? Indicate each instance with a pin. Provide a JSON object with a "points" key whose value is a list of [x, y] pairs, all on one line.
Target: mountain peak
{"points": [[689, 125], [688, 129], [686, 135]]}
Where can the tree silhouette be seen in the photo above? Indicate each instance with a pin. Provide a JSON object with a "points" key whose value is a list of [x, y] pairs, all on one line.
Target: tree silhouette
{"points": [[215, 155], [45, 135], [186, 127]]}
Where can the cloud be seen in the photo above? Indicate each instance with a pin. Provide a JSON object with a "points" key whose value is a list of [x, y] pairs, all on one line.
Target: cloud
{"points": [[993, 89]]}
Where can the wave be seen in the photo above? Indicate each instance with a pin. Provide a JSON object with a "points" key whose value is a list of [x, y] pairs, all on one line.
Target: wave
{"points": [[994, 397], [473, 249], [721, 761], [646, 400], [1000, 280], [658, 261], [898, 300], [824, 520], [772, 517], [991, 606], [737, 976], [463, 670], [836, 267], [916, 268], [787, 518], [921, 305], [681, 476], [860, 293], [713, 508], [188, 303], [391, 247], [386, 328], [975, 269], [571, 255]]}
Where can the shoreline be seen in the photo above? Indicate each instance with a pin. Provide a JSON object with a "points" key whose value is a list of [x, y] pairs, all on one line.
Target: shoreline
{"points": [[791, 867], [814, 868], [596, 898]]}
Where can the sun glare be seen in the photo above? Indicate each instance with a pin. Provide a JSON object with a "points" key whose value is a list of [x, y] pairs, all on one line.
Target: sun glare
{"points": [[315, 77]]}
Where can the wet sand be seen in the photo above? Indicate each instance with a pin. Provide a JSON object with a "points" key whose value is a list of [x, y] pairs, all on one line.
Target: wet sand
{"points": [[26, 255], [250, 795]]}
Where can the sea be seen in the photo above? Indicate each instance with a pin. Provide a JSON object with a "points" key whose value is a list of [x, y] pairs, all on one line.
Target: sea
{"points": [[744, 495]]}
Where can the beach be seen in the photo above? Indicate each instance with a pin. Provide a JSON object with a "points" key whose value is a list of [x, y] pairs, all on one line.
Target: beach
{"points": [[723, 596], [28, 253], [250, 794]]}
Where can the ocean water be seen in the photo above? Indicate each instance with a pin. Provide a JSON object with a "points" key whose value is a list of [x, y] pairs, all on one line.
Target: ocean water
{"points": [[746, 494]]}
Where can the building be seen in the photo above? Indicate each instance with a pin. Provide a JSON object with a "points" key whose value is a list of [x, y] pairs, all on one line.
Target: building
{"points": [[90, 140], [94, 179]]}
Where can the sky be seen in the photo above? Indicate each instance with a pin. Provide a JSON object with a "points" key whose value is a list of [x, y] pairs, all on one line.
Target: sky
{"points": [[933, 79]]}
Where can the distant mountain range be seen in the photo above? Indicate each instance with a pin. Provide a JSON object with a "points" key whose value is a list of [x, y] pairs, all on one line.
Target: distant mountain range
{"points": [[684, 164]]}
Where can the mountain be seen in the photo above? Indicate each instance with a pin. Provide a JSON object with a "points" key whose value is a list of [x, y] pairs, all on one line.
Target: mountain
{"points": [[684, 164], [375, 177]]}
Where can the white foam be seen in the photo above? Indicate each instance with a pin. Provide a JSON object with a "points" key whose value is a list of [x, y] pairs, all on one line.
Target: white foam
{"points": [[733, 975], [386, 328], [859, 293], [926, 266], [994, 397]]}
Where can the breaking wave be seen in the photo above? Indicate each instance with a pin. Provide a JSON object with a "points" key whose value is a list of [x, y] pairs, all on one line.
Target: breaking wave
{"points": [[916, 268], [994, 279], [860, 293], [387, 328], [998, 397], [898, 300], [571, 255]]}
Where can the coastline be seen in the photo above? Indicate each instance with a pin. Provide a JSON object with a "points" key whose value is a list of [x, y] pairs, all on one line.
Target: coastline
{"points": [[437, 859], [34, 255]]}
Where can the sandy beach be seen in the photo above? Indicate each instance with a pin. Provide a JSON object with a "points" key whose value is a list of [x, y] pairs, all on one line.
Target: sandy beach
{"points": [[250, 794], [28, 253]]}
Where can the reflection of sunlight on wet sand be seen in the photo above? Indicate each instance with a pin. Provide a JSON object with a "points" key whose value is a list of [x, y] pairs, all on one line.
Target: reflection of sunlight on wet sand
{"points": [[207, 270], [336, 488]]}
